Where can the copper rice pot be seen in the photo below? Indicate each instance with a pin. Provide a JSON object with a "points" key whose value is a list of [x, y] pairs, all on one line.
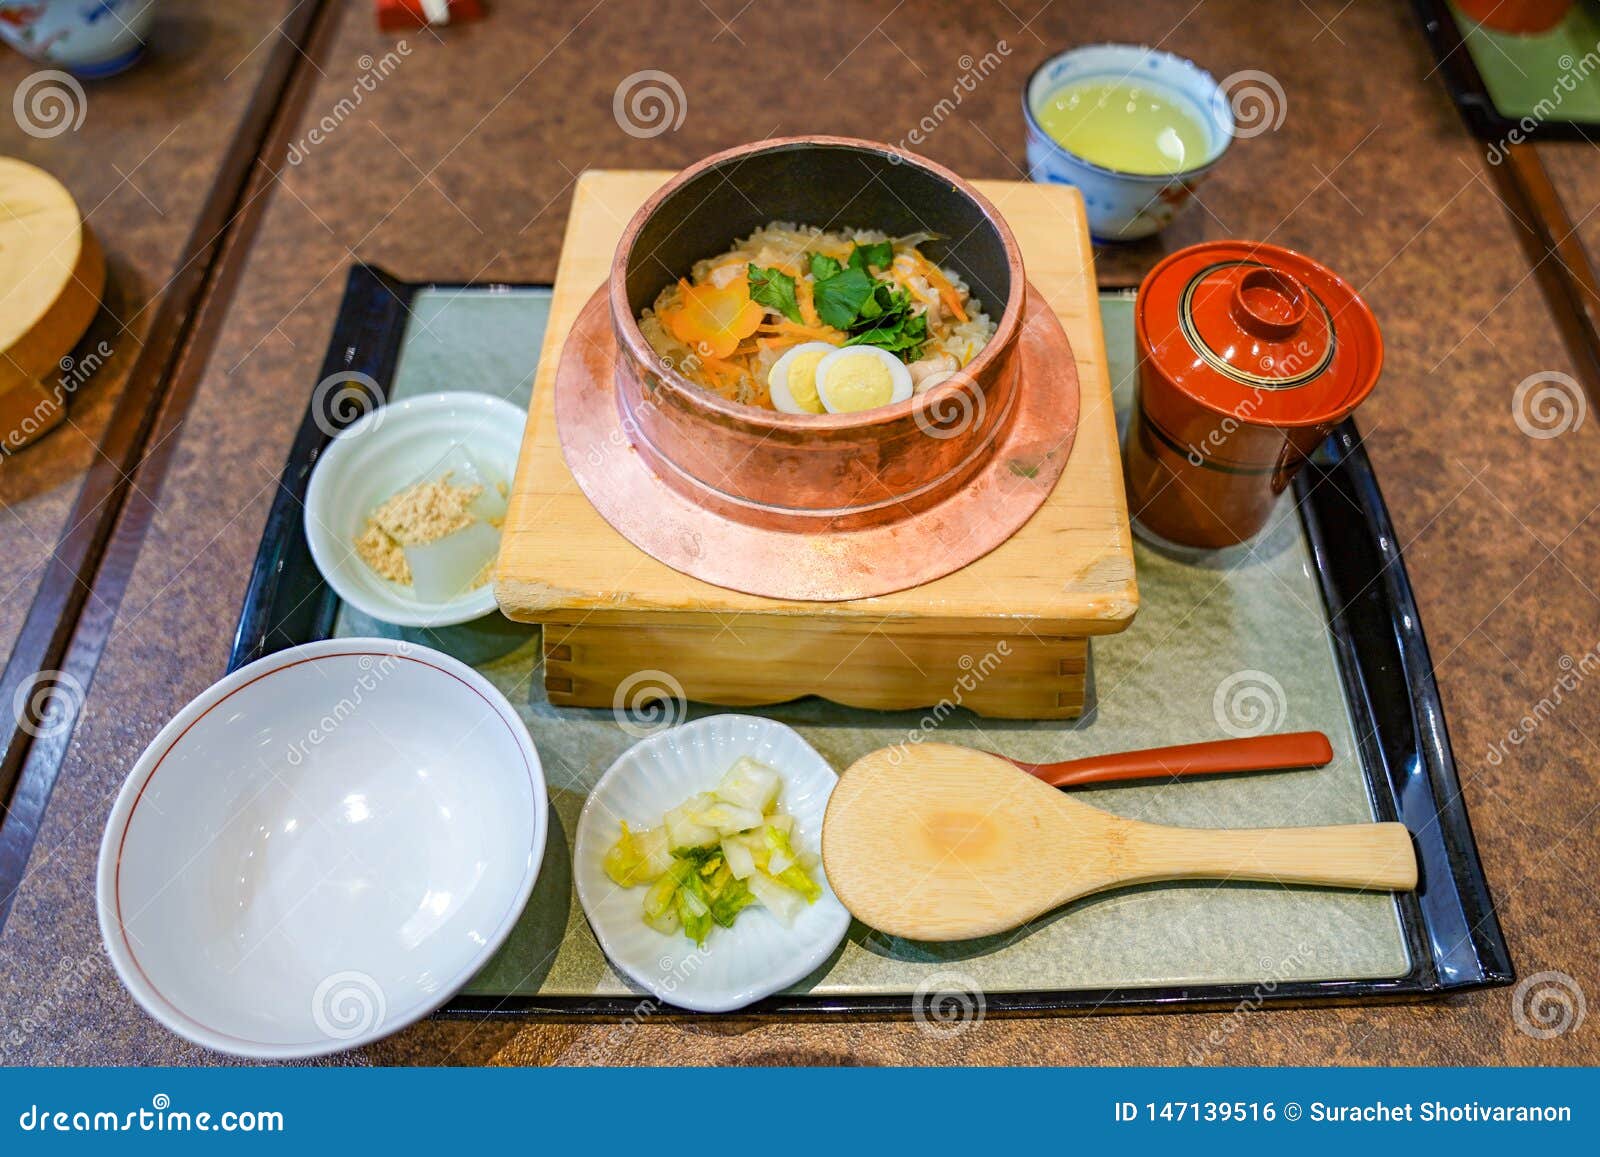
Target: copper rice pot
{"points": [[828, 472]]}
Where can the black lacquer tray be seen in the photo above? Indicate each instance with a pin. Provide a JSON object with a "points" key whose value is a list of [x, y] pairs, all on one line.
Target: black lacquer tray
{"points": [[1384, 706]]}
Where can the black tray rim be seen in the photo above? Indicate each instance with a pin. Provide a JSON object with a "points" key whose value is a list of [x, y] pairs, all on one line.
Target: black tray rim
{"points": [[1471, 94], [1452, 932]]}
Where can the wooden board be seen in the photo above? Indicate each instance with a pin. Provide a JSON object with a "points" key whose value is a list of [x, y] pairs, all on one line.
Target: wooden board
{"points": [[758, 661], [1068, 572]]}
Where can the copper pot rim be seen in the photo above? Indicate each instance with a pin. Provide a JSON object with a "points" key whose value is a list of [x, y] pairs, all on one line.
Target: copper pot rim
{"points": [[632, 339], [1021, 473]]}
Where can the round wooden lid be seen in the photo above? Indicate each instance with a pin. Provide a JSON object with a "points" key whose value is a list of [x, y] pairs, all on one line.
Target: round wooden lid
{"points": [[51, 273]]}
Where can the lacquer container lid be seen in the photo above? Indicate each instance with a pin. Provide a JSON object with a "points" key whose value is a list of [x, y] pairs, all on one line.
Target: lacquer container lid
{"points": [[1258, 333]]}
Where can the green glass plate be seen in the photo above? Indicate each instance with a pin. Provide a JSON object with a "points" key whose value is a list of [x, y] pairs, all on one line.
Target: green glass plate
{"points": [[1554, 76]]}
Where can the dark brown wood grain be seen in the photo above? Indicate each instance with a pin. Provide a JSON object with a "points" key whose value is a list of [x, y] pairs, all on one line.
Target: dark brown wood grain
{"points": [[184, 324], [142, 162], [1556, 252], [1553, 242]]}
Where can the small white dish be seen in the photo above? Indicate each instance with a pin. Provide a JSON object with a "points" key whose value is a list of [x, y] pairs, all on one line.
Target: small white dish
{"points": [[758, 956], [381, 453], [321, 848]]}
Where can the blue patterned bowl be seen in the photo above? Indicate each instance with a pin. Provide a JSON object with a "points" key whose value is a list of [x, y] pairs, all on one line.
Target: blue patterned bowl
{"points": [[1125, 206], [90, 40]]}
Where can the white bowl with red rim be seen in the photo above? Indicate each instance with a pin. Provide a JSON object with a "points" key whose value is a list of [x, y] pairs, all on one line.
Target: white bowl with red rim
{"points": [[321, 848]]}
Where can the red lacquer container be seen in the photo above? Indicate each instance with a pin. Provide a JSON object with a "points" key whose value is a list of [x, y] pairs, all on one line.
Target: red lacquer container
{"points": [[1249, 354], [1521, 17]]}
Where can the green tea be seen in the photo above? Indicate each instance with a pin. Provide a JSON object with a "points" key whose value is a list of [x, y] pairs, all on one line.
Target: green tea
{"points": [[1131, 128]]}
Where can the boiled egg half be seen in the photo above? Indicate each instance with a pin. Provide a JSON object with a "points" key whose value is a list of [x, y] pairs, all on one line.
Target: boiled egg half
{"points": [[792, 381], [861, 377]]}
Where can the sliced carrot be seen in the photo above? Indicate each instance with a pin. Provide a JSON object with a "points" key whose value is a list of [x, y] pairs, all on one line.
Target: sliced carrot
{"points": [[805, 332], [952, 302], [947, 292], [719, 367], [805, 296], [714, 321]]}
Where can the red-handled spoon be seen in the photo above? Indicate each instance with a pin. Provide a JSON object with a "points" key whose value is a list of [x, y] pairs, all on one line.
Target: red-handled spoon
{"points": [[1216, 757]]}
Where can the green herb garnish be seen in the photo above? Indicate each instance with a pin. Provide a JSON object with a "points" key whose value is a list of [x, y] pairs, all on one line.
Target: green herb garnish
{"points": [[902, 334], [879, 254], [823, 266], [774, 289], [872, 312], [839, 298]]}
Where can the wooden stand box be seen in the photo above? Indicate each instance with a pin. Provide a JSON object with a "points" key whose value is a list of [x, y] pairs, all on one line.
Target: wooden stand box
{"points": [[1006, 636]]}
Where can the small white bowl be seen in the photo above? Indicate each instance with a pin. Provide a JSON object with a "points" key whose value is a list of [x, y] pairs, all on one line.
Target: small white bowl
{"points": [[321, 848], [1125, 206], [378, 455], [758, 956]]}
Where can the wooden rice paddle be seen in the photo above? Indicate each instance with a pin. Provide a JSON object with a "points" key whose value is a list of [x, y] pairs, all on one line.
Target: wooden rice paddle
{"points": [[935, 842]]}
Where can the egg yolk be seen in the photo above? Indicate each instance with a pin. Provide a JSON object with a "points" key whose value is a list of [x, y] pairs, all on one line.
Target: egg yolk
{"points": [[859, 383], [803, 380]]}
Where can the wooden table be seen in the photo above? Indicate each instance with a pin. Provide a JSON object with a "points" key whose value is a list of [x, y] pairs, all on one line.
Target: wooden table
{"points": [[458, 166], [155, 158]]}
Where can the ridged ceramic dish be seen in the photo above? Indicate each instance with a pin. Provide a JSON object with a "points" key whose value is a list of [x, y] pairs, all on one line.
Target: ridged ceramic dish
{"points": [[758, 956]]}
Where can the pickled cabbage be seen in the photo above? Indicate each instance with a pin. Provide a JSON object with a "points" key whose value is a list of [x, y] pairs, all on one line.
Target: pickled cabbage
{"points": [[716, 854]]}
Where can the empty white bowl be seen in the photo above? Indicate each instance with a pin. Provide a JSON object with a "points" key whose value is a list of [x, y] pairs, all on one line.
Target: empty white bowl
{"points": [[758, 956], [321, 848], [382, 453]]}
